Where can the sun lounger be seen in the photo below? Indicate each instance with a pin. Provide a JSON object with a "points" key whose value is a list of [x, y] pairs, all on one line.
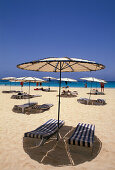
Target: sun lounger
{"points": [[44, 106], [10, 91], [47, 90], [74, 93], [31, 108], [91, 102], [38, 108], [83, 135], [45, 131], [21, 108], [95, 92], [39, 88], [24, 96], [69, 94]]}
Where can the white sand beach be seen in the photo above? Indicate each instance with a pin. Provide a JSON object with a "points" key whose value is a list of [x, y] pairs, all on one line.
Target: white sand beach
{"points": [[17, 153]]}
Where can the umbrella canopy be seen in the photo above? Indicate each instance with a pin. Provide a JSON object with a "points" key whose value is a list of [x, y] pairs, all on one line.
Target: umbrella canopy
{"points": [[29, 79], [10, 79], [93, 79], [49, 78], [68, 80], [64, 64], [61, 65]]}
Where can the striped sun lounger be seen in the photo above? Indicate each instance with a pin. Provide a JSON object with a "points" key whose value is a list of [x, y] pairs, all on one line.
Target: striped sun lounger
{"points": [[45, 131], [83, 135]]}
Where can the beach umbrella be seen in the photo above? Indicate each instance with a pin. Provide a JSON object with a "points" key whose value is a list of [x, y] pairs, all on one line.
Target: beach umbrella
{"points": [[49, 78], [67, 80], [61, 65], [93, 79], [29, 80], [10, 79]]}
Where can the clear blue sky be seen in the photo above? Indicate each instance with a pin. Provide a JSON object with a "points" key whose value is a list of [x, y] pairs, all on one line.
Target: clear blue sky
{"points": [[35, 29]]}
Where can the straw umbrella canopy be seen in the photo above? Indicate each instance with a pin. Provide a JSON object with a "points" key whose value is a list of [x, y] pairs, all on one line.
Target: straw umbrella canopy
{"points": [[61, 65], [29, 79], [10, 79]]}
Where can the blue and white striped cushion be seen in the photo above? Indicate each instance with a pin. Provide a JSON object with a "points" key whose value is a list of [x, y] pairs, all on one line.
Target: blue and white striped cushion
{"points": [[83, 135], [45, 130]]}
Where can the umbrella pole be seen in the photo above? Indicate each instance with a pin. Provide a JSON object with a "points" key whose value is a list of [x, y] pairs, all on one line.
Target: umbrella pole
{"points": [[90, 90], [59, 103], [29, 94], [10, 85], [49, 83]]}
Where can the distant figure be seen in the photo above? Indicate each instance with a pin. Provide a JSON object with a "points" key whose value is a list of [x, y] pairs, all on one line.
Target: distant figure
{"points": [[102, 87], [21, 83], [37, 84], [85, 85], [40, 84]]}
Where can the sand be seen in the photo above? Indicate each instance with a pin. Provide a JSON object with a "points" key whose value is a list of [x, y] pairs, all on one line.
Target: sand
{"points": [[17, 153]]}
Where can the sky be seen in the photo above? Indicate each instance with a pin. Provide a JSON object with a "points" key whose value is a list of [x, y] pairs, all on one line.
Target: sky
{"points": [[35, 29]]}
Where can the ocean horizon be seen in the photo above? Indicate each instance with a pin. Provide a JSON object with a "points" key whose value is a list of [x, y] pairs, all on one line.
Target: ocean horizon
{"points": [[55, 83]]}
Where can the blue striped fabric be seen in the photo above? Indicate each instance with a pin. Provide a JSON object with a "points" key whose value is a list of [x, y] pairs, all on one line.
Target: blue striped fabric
{"points": [[45, 130], [83, 135]]}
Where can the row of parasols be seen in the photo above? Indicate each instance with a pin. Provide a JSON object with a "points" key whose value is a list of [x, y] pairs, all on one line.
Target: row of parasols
{"points": [[38, 80]]}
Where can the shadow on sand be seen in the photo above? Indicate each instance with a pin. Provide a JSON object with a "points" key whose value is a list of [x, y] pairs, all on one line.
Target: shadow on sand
{"points": [[60, 153]]}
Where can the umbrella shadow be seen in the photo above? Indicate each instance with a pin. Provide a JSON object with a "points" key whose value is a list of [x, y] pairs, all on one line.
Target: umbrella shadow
{"points": [[59, 153]]}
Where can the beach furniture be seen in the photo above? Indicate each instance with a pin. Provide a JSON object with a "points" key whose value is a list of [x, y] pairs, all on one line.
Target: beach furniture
{"points": [[91, 102], [83, 135], [24, 96], [47, 89], [39, 88], [21, 108], [45, 131], [96, 92], [42, 107], [38, 108], [10, 91], [31, 108], [69, 93], [74, 93]]}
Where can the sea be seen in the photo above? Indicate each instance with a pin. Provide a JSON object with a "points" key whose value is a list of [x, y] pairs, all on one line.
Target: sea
{"points": [[55, 83]]}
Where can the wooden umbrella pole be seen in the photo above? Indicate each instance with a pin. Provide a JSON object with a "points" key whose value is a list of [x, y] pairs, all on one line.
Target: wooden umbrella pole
{"points": [[59, 103]]}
